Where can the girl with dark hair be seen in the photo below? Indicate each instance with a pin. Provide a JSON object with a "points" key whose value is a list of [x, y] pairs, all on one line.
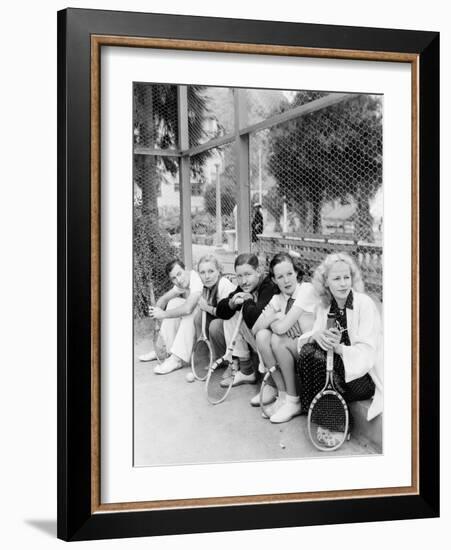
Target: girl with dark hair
{"points": [[253, 293], [288, 315]]}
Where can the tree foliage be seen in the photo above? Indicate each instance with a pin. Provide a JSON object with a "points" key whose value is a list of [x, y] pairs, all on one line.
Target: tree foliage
{"points": [[331, 153], [228, 198], [273, 203], [156, 127], [152, 251]]}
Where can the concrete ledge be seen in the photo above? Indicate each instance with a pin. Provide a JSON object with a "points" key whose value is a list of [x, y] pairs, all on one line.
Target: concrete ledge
{"points": [[370, 430]]}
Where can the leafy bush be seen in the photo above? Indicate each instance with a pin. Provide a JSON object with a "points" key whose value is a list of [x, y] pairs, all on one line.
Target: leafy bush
{"points": [[203, 223], [152, 251], [171, 222]]}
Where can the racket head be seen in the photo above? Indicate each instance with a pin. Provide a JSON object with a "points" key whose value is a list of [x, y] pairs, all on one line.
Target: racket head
{"points": [[160, 350], [268, 380], [218, 384], [328, 421], [201, 359], [159, 345]]}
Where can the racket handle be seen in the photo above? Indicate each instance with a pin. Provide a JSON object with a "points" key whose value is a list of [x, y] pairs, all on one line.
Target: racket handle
{"points": [[330, 360], [151, 294], [204, 323], [330, 320], [330, 354], [237, 329]]}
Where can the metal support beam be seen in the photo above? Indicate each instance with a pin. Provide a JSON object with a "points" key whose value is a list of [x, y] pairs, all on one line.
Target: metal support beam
{"points": [[297, 112], [184, 176], [240, 137], [217, 142], [138, 150], [242, 173]]}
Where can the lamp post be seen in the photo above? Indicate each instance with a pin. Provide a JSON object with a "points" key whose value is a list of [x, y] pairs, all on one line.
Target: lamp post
{"points": [[260, 184], [285, 216], [218, 209]]}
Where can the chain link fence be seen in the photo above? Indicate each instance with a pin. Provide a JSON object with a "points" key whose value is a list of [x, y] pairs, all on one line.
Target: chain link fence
{"points": [[156, 203], [322, 184], [315, 178], [210, 112], [214, 206]]}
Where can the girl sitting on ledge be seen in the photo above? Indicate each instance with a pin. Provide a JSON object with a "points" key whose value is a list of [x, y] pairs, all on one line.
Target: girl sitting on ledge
{"points": [[356, 341]]}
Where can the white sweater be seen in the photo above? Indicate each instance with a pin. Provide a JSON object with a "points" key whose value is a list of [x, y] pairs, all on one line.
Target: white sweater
{"points": [[364, 355]]}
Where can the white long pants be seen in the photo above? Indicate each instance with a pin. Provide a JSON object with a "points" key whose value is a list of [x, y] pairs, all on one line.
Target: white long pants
{"points": [[241, 348], [178, 333], [249, 337]]}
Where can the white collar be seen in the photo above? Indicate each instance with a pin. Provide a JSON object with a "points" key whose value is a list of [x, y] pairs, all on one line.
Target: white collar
{"points": [[294, 295]]}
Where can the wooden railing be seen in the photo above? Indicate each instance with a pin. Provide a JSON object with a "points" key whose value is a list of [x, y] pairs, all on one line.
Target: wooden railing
{"points": [[313, 248]]}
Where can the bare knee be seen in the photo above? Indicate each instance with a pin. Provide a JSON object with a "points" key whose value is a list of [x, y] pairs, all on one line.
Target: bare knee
{"points": [[282, 343], [276, 340], [262, 334], [263, 338]]}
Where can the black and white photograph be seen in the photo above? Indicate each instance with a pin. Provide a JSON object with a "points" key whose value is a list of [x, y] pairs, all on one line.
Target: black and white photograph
{"points": [[226, 257], [258, 232]]}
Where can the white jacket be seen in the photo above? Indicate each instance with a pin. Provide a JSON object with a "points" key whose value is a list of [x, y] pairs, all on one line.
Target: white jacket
{"points": [[365, 354]]}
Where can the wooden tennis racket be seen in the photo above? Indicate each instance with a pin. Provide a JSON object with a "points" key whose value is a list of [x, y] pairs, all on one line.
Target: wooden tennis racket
{"points": [[268, 380], [202, 355], [219, 381], [158, 343], [328, 415]]}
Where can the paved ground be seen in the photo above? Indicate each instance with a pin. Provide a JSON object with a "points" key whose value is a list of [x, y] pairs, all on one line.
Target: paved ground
{"points": [[175, 424]]}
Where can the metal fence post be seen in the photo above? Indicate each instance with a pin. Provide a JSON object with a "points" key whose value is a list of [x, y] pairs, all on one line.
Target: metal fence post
{"points": [[184, 175], [218, 209], [242, 172]]}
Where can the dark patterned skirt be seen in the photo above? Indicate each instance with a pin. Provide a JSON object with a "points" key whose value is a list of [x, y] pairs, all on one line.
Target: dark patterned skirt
{"points": [[311, 373]]}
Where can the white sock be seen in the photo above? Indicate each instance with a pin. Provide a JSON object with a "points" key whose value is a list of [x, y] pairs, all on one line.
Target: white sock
{"points": [[282, 396], [292, 398]]}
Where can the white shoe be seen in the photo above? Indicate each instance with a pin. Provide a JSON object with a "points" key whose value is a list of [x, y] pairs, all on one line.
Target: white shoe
{"points": [[241, 378], [170, 364], [151, 356], [286, 412], [269, 395], [272, 409]]}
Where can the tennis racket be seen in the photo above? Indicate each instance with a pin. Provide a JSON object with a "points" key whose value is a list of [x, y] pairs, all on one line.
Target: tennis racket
{"points": [[328, 415], [202, 355], [268, 380], [158, 343], [219, 383]]}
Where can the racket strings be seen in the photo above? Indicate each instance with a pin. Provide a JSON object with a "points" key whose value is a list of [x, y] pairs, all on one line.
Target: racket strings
{"points": [[329, 413], [266, 407], [201, 360], [160, 348], [218, 385]]}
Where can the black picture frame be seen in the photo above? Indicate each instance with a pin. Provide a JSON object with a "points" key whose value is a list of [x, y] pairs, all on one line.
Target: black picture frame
{"points": [[77, 517]]}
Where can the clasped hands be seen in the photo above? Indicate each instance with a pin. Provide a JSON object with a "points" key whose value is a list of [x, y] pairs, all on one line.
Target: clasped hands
{"points": [[328, 339], [203, 304], [239, 298], [156, 312]]}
